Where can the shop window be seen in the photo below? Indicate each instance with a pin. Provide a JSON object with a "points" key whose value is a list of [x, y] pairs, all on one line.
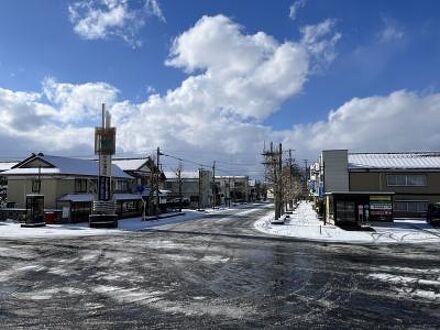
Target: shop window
{"points": [[80, 185], [400, 206], [411, 206], [345, 211]]}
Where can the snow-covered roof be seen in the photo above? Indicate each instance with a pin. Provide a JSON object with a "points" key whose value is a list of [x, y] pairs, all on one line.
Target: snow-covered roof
{"points": [[4, 166], [129, 164], [410, 160], [184, 174], [77, 198], [63, 166], [232, 177]]}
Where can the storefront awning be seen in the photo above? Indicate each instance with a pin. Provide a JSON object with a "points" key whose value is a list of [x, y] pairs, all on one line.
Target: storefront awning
{"points": [[77, 198], [126, 197]]}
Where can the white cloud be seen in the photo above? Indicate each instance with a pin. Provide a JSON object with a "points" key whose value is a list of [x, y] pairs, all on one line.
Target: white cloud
{"points": [[154, 9], [391, 31], [320, 41], [248, 75], [235, 80], [295, 7], [100, 19], [78, 103], [400, 121]]}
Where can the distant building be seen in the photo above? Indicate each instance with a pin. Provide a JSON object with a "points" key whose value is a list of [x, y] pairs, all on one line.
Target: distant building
{"points": [[145, 172], [68, 184], [4, 166], [196, 188], [412, 178], [233, 188]]}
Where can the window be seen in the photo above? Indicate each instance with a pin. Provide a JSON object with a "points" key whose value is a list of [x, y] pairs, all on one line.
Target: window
{"points": [[36, 185], [122, 185], [80, 185], [406, 180], [411, 206]]}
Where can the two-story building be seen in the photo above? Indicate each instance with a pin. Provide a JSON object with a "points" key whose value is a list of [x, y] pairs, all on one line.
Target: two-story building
{"points": [[145, 173], [386, 185], [68, 184]]}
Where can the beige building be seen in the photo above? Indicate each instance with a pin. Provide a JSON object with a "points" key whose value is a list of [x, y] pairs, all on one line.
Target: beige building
{"points": [[65, 183], [413, 177]]}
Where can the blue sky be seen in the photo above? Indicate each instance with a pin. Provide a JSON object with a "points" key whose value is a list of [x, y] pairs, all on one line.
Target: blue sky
{"points": [[383, 47]]}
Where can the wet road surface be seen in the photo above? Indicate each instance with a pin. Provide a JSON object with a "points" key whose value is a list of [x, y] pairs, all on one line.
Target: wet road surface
{"points": [[216, 272]]}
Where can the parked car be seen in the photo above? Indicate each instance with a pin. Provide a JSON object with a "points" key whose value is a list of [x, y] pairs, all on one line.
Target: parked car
{"points": [[433, 214]]}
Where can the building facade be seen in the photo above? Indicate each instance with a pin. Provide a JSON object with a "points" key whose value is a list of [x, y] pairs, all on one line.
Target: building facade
{"points": [[235, 189], [412, 178], [195, 187], [69, 185]]}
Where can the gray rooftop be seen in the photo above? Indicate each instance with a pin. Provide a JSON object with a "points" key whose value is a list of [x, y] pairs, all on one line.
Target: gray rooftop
{"points": [[407, 160], [63, 166]]}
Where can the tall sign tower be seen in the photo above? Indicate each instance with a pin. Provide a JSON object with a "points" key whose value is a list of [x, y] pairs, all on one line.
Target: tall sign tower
{"points": [[103, 210]]}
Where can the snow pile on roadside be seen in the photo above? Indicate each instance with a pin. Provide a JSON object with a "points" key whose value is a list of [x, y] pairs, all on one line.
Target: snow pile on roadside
{"points": [[13, 230], [304, 224]]}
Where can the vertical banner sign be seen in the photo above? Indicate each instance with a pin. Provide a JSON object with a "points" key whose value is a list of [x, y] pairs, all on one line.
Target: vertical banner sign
{"points": [[105, 147], [104, 188]]}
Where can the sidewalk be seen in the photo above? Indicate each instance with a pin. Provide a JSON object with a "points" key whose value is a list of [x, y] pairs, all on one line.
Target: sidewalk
{"points": [[304, 224]]}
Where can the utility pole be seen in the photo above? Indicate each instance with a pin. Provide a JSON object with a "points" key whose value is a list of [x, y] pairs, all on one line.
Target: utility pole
{"points": [[214, 187], [229, 191], [200, 182], [157, 179], [179, 182], [306, 166], [280, 183], [290, 198], [306, 178], [273, 175]]}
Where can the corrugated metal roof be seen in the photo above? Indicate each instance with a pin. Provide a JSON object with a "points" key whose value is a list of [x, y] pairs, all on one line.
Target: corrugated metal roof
{"points": [[4, 166], [66, 166], [129, 164], [410, 160]]}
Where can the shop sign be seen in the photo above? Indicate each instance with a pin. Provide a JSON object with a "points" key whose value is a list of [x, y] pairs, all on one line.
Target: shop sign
{"points": [[105, 140], [380, 198]]}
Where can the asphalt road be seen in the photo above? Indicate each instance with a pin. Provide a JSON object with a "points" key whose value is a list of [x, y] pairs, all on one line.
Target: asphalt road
{"points": [[216, 272]]}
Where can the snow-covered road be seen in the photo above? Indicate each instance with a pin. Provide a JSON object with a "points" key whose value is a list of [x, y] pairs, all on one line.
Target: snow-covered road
{"points": [[215, 272], [13, 230]]}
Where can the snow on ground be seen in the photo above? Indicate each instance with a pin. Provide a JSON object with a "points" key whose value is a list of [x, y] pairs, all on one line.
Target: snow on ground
{"points": [[12, 230], [415, 287], [304, 224]]}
